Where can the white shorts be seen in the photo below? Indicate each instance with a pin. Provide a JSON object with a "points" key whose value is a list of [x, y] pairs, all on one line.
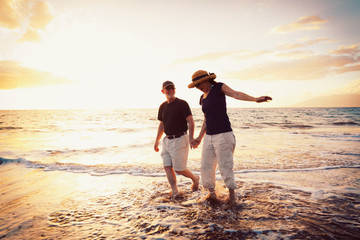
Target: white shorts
{"points": [[218, 149], [175, 152]]}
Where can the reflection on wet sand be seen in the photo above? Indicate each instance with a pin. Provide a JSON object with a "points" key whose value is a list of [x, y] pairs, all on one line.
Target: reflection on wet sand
{"points": [[264, 210]]}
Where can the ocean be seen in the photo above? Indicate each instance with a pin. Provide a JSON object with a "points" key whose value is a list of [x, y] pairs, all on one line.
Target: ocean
{"points": [[85, 174]]}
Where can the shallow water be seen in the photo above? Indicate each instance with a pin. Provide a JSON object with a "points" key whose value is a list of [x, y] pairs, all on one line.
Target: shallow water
{"points": [[77, 174], [291, 205]]}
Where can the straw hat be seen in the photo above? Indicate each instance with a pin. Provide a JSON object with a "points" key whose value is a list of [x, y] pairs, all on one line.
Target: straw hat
{"points": [[201, 76]]}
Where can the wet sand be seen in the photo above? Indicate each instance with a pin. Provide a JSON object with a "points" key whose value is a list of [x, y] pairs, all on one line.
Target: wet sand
{"points": [[79, 206]]}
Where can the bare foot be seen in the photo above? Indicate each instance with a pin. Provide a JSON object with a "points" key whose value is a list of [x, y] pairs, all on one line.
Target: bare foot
{"points": [[231, 202], [213, 199], [195, 185], [174, 193], [212, 196], [177, 195], [232, 197]]}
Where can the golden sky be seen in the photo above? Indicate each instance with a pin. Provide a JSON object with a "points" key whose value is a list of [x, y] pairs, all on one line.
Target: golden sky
{"points": [[117, 53]]}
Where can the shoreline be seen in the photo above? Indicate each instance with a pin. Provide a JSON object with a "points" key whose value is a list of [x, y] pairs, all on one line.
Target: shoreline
{"points": [[157, 171]]}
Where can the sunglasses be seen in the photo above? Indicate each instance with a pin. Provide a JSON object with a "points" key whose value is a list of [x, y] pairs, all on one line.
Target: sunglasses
{"points": [[169, 87]]}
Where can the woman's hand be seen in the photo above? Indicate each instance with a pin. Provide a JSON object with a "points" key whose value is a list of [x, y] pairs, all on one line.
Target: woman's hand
{"points": [[196, 142], [263, 99]]}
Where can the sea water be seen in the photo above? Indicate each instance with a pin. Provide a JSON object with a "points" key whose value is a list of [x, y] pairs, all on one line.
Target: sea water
{"points": [[288, 163], [121, 141]]}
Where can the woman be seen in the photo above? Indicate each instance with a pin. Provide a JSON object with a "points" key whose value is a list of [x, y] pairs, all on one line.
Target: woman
{"points": [[219, 141]]}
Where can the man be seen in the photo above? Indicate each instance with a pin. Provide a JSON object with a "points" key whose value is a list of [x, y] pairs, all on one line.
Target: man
{"points": [[175, 119]]}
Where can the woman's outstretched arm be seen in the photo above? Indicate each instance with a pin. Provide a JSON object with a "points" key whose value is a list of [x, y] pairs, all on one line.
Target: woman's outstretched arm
{"points": [[243, 96]]}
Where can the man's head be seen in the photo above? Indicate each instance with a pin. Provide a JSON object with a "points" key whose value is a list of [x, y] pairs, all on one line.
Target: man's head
{"points": [[168, 88], [168, 84]]}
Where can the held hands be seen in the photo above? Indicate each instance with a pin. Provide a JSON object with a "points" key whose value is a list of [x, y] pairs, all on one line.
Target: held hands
{"points": [[263, 99], [195, 143], [191, 141]]}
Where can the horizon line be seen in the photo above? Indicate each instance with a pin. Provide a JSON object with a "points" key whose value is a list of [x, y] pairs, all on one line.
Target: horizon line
{"points": [[141, 108]]}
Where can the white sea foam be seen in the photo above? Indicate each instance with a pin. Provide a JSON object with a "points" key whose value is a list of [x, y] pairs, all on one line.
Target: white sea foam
{"points": [[103, 170]]}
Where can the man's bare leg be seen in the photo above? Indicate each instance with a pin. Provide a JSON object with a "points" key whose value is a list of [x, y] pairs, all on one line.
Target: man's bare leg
{"points": [[170, 174], [187, 173]]}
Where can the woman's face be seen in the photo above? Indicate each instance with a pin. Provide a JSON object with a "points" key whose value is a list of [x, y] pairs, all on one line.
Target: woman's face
{"points": [[203, 86]]}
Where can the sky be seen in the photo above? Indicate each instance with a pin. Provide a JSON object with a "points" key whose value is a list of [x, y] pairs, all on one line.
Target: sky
{"points": [[75, 54]]}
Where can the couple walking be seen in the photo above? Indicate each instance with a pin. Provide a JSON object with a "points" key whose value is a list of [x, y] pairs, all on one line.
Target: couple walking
{"points": [[219, 141]]}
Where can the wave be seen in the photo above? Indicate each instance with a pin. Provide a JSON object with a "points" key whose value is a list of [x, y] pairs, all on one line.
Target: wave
{"points": [[297, 126], [346, 154], [345, 123], [10, 128], [296, 169], [94, 170], [287, 125], [96, 150], [136, 170], [339, 137], [16, 160], [72, 151], [300, 125]]}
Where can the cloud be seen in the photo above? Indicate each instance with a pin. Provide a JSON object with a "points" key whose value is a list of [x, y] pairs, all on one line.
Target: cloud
{"points": [[41, 15], [204, 57], [307, 68], [350, 88], [295, 54], [302, 23], [245, 54], [338, 100], [252, 54], [12, 76], [346, 96], [304, 42], [352, 68], [30, 36], [32, 15], [286, 65], [9, 17], [352, 50]]}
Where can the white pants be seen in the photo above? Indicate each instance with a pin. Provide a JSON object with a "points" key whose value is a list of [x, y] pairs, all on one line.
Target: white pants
{"points": [[175, 152], [218, 149]]}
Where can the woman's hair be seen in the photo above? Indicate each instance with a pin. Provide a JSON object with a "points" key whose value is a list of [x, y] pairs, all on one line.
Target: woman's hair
{"points": [[212, 81]]}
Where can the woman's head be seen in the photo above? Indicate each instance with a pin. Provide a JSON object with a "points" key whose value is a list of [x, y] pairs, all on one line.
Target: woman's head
{"points": [[202, 76]]}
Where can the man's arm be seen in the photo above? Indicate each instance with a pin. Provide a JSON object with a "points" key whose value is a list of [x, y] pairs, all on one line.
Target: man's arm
{"points": [[243, 96], [158, 136], [191, 125]]}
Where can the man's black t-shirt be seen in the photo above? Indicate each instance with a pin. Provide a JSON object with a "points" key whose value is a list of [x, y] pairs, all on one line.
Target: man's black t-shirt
{"points": [[174, 115]]}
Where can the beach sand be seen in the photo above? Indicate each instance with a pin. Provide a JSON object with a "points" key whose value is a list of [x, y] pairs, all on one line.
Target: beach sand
{"points": [[67, 205]]}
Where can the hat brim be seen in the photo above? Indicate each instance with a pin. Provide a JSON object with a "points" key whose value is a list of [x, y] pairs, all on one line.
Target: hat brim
{"points": [[167, 83], [209, 77]]}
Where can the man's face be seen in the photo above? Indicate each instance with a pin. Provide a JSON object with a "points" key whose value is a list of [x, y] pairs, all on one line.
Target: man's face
{"points": [[169, 91]]}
